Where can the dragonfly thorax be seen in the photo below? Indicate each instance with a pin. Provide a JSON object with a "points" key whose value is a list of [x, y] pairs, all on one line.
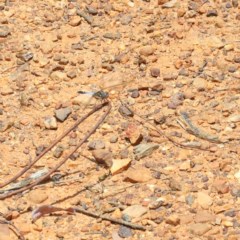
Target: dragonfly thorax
{"points": [[101, 95]]}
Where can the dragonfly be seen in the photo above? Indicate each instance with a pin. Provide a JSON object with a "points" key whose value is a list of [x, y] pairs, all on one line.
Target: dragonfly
{"points": [[102, 94]]}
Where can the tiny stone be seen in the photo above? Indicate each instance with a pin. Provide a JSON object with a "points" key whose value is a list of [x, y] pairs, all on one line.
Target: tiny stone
{"points": [[146, 51], [155, 72], [62, 113], [189, 199], [113, 139], [75, 21], [124, 232], [135, 94], [212, 13], [96, 144], [50, 123], [58, 152]]}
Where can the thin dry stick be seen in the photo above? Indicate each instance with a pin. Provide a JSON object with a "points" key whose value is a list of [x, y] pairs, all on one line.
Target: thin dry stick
{"points": [[14, 229], [120, 222], [20, 173], [3, 196]]}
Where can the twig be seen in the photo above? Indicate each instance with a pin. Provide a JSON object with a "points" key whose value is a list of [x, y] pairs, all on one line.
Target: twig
{"points": [[46, 176], [116, 221], [14, 229], [20, 173], [186, 124]]}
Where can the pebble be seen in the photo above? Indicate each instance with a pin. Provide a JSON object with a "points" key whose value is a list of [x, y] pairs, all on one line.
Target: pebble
{"points": [[124, 231], [96, 145], [134, 134], [58, 76], [58, 151], [204, 200], [6, 91], [126, 19], [75, 21], [50, 123], [155, 72], [144, 149], [204, 217], [4, 31], [147, 51], [113, 36], [135, 211], [103, 156], [212, 13], [119, 165], [37, 196], [125, 111], [113, 139], [199, 228], [176, 100], [200, 84], [173, 220], [138, 174], [62, 113], [5, 125]]}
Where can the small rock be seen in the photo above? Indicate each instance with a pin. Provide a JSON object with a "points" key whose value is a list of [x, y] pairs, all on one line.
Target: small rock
{"points": [[135, 94], [50, 123], [200, 84], [133, 134], [58, 76], [75, 21], [4, 31], [169, 4], [146, 51], [92, 10], [5, 125], [25, 56], [125, 111], [58, 152], [113, 36], [155, 72], [96, 144], [113, 139], [176, 100], [84, 100], [212, 13], [62, 113], [189, 199], [103, 156], [175, 185], [170, 76], [204, 217], [234, 118], [124, 231], [6, 91], [138, 175], [173, 220], [120, 165], [204, 200], [135, 211], [126, 19], [221, 186], [144, 149], [37, 196], [71, 74], [199, 228]]}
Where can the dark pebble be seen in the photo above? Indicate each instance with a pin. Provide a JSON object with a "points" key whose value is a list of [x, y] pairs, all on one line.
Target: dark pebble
{"points": [[96, 144], [235, 192], [237, 59], [189, 199], [125, 111], [232, 69], [74, 156], [155, 72], [92, 10], [124, 153], [58, 152], [40, 149], [228, 5], [230, 213], [124, 232], [135, 94], [212, 13]]}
